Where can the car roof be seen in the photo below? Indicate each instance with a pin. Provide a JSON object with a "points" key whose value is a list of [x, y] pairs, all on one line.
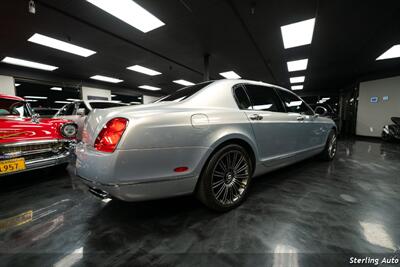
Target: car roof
{"points": [[11, 97]]}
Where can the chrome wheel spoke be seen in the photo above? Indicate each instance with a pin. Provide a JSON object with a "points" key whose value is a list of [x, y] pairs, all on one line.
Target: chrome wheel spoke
{"points": [[218, 183]]}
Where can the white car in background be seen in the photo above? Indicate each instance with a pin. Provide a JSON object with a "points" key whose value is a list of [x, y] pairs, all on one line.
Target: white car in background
{"points": [[77, 111]]}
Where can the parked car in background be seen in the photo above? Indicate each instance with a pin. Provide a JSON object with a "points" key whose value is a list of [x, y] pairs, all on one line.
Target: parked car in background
{"points": [[45, 112], [391, 132], [78, 110], [28, 142], [209, 139]]}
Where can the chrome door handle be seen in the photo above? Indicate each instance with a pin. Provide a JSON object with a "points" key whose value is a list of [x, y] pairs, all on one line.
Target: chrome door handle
{"points": [[256, 117], [300, 118]]}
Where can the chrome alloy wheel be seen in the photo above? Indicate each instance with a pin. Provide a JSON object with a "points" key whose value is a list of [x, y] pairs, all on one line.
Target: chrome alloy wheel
{"points": [[230, 177], [332, 147]]}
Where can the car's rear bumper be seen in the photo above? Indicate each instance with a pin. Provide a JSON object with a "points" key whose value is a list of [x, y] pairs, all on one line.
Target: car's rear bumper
{"points": [[142, 190]]}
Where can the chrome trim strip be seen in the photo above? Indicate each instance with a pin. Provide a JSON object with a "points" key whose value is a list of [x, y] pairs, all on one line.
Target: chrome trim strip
{"points": [[35, 142]]}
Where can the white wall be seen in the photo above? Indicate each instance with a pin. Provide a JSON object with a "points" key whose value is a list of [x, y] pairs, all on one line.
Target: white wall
{"points": [[7, 85], [371, 117], [90, 91], [149, 99]]}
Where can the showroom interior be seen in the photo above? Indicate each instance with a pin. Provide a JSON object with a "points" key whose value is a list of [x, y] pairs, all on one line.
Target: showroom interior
{"points": [[71, 64]]}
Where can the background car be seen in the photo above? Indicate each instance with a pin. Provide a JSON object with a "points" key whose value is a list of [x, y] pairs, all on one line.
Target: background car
{"points": [[78, 110], [28, 142], [46, 112], [209, 139]]}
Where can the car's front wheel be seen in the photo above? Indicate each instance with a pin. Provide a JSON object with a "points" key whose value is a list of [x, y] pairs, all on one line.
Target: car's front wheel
{"points": [[331, 146], [225, 180]]}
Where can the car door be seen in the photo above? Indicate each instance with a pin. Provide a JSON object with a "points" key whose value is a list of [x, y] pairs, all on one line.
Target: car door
{"points": [[308, 129], [274, 135]]}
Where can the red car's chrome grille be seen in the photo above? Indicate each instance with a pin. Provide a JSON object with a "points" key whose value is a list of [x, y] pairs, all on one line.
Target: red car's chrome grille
{"points": [[33, 150]]}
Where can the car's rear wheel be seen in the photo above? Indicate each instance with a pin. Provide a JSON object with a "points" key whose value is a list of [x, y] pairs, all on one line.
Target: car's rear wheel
{"points": [[329, 152], [225, 180]]}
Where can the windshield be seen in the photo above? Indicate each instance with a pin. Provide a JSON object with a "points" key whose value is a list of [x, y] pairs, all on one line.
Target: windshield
{"points": [[17, 108], [183, 93]]}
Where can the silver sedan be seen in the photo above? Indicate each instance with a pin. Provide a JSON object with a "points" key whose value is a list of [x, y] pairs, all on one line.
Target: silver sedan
{"points": [[209, 139]]}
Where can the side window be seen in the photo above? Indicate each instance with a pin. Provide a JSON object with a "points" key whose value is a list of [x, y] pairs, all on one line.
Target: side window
{"points": [[242, 99], [264, 98], [294, 104]]}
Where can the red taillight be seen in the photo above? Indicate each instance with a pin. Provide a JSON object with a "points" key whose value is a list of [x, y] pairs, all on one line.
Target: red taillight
{"points": [[109, 136]]}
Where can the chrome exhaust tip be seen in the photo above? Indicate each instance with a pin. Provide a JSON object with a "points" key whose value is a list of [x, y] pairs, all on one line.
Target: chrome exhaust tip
{"points": [[99, 193]]}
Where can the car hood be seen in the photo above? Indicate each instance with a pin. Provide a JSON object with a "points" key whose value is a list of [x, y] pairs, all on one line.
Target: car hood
{"points": [[16, 129]]}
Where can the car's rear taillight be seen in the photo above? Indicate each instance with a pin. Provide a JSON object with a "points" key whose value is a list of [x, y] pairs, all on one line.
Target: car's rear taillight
{"points": [[109, 136]]}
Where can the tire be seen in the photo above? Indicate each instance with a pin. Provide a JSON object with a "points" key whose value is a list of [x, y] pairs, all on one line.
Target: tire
{"points": [[330, 149], [230, 171]]}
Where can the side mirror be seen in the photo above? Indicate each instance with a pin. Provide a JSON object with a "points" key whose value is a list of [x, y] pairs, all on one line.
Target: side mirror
{"points": [[321, 111], [80, 112]]}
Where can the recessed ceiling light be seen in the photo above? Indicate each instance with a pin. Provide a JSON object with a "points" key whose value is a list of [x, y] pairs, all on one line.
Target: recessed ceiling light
{"points": [[130, 12], [73, 99], [298, 79], [392, 52], [60, 45], [29, 64], [297, 87], [56, 88], [298, 34], [106, 79], [144, 70], [62, 102], [183, 82], [35, 97], [148, 87], [17, 84], [297, 65], [230, 75]]}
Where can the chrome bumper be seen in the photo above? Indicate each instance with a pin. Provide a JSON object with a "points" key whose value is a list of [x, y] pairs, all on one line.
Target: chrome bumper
{"points": [[42, 161]]}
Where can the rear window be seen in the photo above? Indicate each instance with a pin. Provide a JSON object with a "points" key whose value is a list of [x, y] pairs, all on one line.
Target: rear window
{"points": [[184, 93], [103, 105]]}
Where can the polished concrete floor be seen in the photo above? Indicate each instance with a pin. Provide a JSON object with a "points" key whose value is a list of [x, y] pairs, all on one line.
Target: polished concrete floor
{"points": [[310, 214]]}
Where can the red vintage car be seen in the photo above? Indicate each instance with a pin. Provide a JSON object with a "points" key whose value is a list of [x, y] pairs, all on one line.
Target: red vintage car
{"points": [[28, 142]]}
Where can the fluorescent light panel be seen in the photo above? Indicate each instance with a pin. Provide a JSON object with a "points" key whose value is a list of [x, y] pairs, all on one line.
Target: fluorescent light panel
{"points": [[144, 70], [392, 52], [106, 79], [31, 100], [113, 95], [298, 79], [297, 87], [183, 82], [230, 75], [297, 65], [60, 45], [35, 97], [148, 87], [17, 84], [298, 34], [56, 88], [29, 64], [131, 13], [62, 102], [73, 99]]}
